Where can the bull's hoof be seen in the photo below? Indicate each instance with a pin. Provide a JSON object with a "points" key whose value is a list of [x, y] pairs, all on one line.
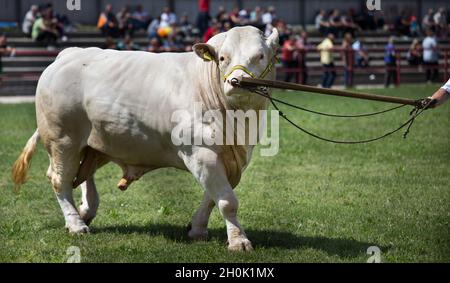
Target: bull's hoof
{"points": [[78, 229], [197, 234], [86, 215], [240, 244]]}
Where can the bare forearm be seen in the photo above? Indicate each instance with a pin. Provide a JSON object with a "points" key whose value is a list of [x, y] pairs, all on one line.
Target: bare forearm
{"points": [[441, 95]]}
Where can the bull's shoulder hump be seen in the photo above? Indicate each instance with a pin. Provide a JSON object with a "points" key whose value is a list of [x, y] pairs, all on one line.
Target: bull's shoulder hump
{"points": [[76, 51], [68, 51]]}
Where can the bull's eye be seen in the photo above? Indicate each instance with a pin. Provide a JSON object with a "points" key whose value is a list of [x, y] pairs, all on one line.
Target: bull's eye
{"points": [[222, 58]]}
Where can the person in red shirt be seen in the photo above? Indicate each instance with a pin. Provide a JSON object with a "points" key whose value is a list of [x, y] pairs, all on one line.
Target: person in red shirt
{"points": [[203, 15], [212, 31], [203, 5], [287, 57], [5, 50]]}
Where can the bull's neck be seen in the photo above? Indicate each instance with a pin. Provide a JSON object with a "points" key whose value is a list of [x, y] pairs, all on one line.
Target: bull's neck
{"points": [[210, 92]]}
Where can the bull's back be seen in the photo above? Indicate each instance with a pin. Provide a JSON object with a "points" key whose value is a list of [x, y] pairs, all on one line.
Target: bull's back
{"points": [[117, 102]]}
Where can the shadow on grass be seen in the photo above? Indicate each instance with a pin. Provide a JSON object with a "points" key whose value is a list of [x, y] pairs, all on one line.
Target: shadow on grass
{"points": [[260, 238]]}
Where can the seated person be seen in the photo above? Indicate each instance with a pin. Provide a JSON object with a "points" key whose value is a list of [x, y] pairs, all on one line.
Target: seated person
{"points": [[321, 22], [335, 23], [107, 22], [126, 23], [29, 20], [140, 18], [44, 31], [153, 27], [5, 50], [401, 24], [348, 25], [185, 26]]}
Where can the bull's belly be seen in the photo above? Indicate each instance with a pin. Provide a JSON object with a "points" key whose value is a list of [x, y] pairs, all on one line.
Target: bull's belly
{"points": [[147, 150]]}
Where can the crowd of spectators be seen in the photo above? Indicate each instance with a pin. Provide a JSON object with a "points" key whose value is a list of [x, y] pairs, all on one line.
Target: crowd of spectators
{"points": [[170, 32], [166, 32], [46, 27], [333, 24], [404, 24], [125, 22], [337, 23]]}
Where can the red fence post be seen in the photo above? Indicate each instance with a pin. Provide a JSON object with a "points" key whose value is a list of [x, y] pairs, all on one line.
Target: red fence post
{"points": [[304, 67], [300, 65], [399, 61], [351, 54], [446, 65]]}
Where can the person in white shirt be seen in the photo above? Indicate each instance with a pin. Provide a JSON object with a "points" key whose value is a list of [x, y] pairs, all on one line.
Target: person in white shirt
{"points": [[319, 18], [361, 54], [269, 16], [168, 18], [321, 22], [29, 19], [441, 95], [439, 17], [428, 20], [430, 56]]}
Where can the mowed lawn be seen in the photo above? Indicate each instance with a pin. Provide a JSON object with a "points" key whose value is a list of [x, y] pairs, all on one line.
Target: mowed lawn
{"points": [[312, 202]]}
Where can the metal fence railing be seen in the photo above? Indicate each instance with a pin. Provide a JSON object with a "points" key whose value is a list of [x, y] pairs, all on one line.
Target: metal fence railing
{"points": [[348, 57]]}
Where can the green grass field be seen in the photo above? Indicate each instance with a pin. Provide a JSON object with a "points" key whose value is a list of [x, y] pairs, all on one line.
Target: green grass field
{"points": [[313, 202]]}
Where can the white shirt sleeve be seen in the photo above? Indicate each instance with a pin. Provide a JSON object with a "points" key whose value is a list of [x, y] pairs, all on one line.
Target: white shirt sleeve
{"points": [[447, 86]]}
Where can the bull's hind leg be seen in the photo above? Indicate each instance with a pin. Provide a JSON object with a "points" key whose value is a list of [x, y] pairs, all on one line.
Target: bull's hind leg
{"points": [[89, 201], [64, 163], [198, 226]]}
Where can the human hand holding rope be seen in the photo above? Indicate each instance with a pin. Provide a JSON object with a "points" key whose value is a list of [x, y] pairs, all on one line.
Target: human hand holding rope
{"points": [[441, 95]]}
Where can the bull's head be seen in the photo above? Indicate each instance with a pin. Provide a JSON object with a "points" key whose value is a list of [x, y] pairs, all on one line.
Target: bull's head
{"points": [[240, 52]]}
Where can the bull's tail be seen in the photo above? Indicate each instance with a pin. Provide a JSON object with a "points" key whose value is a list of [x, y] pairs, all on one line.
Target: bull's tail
{"points": [[20, 167]]}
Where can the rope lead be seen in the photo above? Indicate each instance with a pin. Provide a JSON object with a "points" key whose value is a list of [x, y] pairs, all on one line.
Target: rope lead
{"points": [[421, 106]]}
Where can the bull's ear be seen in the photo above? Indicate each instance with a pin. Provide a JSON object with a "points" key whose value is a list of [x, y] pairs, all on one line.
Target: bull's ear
{"points": [[205, 51], [272, 40]]}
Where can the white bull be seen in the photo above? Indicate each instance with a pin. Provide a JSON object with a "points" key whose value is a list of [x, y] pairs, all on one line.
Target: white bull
{"points": [[94, 106]]}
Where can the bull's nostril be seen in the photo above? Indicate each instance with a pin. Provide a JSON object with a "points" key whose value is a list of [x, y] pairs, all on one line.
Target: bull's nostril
{"points": [[234, 82]]}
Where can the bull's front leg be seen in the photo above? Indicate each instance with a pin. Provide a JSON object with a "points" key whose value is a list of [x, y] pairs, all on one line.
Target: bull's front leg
{"points": [[228, 206], [210, 172]]}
